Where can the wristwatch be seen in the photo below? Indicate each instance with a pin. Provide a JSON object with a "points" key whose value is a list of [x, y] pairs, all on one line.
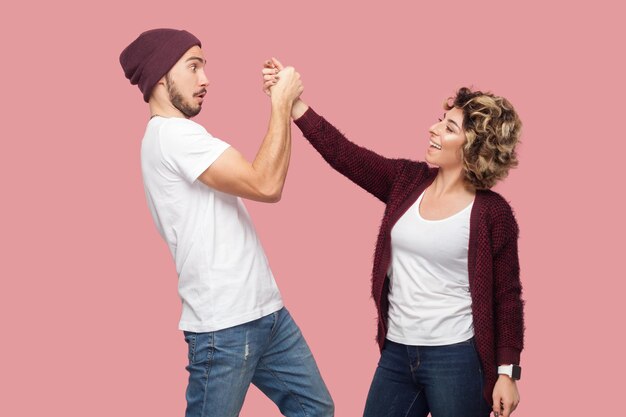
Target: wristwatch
{"points": [[513, 371]]}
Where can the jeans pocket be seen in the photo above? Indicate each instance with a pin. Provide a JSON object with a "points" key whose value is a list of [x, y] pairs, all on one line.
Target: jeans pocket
{"points": [[475, 349], [200, 346], [190, 339]]}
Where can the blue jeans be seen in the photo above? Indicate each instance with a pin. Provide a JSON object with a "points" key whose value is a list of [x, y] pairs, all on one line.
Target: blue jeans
{"points": [[270, 353], [412, 381]]}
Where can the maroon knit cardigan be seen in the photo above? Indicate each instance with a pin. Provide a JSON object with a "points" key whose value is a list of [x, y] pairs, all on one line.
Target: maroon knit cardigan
{"points": [[493, 266]]}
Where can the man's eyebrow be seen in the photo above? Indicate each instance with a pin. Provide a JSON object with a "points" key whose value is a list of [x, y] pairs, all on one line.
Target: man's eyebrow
{"points": [[196, 58]]}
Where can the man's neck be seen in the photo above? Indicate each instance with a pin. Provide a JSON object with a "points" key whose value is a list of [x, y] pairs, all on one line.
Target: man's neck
{"points": [[164, 110]]}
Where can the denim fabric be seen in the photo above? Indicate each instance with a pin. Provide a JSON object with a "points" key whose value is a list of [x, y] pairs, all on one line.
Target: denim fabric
{"points": [[269, 352], [412, 381]]}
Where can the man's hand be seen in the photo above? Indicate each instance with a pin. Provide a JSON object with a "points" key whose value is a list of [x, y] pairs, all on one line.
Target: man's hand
{"points": [[505, 396]]}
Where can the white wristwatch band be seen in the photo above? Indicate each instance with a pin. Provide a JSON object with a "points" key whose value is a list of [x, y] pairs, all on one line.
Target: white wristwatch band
{"points": [[513, 371], [505, 370]]}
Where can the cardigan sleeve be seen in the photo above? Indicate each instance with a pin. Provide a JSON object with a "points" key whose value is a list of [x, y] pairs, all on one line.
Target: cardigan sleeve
{"points": [[509, 307], [367, 169]]}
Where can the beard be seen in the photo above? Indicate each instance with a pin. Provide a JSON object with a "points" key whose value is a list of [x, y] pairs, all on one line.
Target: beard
{"points": [[178, 101]]}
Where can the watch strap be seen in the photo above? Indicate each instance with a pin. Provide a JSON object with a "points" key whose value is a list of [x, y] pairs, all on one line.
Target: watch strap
{"points": [[514, 371]]}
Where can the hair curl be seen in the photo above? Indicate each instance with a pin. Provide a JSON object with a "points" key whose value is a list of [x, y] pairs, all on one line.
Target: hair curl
{"points": [[492, 130]]}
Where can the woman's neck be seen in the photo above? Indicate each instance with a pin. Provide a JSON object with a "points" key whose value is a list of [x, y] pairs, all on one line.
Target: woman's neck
{"points": [[450, 182]]}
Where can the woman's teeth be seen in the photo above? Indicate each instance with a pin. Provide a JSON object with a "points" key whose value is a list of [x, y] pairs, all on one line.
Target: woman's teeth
{"points": [[435, 145]]}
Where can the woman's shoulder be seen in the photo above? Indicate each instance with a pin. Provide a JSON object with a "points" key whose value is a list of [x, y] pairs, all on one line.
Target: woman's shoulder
{"points": [[496, 206], [417, 169]]}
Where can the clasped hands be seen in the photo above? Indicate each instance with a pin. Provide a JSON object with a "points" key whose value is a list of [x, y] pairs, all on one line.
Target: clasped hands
{"points": [[281, 81]]}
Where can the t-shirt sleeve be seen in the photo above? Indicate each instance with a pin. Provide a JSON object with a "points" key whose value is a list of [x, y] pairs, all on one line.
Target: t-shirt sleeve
{"points": [[188, 149]]}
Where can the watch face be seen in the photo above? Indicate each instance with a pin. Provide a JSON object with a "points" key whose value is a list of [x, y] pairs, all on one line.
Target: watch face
{"points": [[516, 372]]}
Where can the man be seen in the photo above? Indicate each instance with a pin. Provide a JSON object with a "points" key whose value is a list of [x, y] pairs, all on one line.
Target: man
{"points": [[236, 327]]}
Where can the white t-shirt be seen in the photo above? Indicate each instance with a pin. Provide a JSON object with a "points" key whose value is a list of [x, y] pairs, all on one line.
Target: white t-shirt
{"points": [[429, 298], [224, 278]]}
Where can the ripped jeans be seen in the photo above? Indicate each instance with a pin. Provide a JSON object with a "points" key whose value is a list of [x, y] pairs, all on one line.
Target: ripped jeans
{"points": [[269, 352]]}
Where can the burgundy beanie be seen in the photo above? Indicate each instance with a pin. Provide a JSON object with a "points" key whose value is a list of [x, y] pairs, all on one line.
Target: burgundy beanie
{"points": [[149, 57]]}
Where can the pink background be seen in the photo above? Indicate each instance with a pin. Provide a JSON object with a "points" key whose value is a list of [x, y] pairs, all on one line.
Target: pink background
{"points": [[89, 307]]}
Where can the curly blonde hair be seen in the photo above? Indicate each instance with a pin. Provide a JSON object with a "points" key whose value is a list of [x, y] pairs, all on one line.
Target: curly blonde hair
{"points": [[492, 130]]}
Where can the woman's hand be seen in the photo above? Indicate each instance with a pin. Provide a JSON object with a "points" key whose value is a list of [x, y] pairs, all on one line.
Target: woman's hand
{"points": [[505, 396], [270, 71]]}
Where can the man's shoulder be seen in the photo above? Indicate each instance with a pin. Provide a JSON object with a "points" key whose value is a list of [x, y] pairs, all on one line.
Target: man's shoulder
{"points": [[175, 126]]}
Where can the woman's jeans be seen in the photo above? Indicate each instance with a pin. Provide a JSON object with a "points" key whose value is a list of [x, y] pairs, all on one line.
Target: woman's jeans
{"points": [[412, 381], [270, 353]]}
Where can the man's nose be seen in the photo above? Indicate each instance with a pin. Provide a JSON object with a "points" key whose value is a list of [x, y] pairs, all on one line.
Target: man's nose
{"points": [[204, 81]]}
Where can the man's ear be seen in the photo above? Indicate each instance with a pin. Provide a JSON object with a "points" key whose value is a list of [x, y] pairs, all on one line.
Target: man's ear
{"points": [[157, 87], [162, 81]]}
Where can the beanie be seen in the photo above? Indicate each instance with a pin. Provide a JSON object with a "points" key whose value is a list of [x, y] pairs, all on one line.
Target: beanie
{"points": [[149, 57]]}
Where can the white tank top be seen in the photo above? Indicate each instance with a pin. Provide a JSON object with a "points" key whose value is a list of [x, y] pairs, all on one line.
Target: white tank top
{"points": [[429, 298]]}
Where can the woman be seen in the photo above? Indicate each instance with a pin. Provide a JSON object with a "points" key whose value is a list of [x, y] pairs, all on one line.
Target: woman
{"points": [[446, 273]]}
